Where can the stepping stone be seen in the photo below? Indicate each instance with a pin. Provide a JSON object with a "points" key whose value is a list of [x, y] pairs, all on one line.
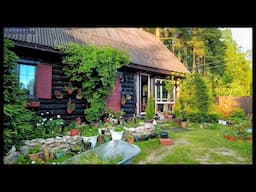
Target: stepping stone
{"points": [[166, 141]]}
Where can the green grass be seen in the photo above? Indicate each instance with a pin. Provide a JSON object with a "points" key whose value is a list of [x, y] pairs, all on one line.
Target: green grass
{"points": [[146, 147], [199, 146]]}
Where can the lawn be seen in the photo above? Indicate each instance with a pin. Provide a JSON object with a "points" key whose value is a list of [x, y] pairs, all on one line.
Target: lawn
{"points": [[194, 146]]}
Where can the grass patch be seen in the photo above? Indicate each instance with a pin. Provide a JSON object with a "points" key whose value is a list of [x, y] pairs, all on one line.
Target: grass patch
{"points": [[146, 148], [200, 146], [180, 155]]}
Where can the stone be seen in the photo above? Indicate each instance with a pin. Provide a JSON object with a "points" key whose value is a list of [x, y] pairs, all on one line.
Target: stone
{"points": [[49, 140]]}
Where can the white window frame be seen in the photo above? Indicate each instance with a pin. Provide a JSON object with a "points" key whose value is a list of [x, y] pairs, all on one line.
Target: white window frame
{"points": [[160, 100]]}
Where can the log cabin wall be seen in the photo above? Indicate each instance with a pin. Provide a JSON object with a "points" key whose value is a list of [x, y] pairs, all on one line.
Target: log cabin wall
{"points": [[59, 80], [128, 82]]}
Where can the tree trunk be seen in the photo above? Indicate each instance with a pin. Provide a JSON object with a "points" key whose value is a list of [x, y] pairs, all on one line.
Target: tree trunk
{"points": [[186, 57], [194, 60]]}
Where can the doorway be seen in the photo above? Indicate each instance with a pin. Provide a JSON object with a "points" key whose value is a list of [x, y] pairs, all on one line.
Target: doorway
{"points": [[144, 91]]}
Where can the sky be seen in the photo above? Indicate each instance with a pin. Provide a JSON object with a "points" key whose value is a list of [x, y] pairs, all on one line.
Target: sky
{"points": [[243, 37]]}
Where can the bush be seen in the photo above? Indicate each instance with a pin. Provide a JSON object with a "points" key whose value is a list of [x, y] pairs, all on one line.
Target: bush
{"points": [[201, 117], [238, 116], [17, 119], [150, 109]]}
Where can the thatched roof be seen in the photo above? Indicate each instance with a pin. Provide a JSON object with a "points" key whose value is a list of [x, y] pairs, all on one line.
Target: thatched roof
{"points": [[144, 48]]}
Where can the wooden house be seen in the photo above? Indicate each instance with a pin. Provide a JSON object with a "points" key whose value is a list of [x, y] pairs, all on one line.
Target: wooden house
{"points": [[151, 63]]}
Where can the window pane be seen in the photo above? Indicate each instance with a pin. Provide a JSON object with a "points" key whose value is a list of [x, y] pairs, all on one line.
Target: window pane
{"points": [[165, 93], [158, 89], [27, 78]]}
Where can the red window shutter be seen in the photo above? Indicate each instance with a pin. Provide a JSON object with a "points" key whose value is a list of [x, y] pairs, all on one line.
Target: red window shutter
{"points": [[43, 81], [113, 101]]}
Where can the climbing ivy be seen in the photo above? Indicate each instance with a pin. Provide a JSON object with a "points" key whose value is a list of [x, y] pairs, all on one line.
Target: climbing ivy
{"points": [[17, 119], [94, 69]]}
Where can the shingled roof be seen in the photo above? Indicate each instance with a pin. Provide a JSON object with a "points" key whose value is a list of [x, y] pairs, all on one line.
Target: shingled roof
{"points": [[144, 48]]}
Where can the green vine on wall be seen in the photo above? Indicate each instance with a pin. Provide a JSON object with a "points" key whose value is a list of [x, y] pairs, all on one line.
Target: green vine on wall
{"points": [[95, 70]]}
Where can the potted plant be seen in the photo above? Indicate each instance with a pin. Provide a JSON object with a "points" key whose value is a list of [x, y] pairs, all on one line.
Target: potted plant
{"points": [[129, 139], [89, 134], [128, 97], [70, 88], [58, 94], [73, 129], [117, 132], [123, 100], [58, 154], [70, 106], [79, 94], [35, 153]]}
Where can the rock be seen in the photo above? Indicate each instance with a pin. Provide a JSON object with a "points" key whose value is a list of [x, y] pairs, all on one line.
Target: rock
{"points": [[46, 154], [49, 140], [12, 150]]}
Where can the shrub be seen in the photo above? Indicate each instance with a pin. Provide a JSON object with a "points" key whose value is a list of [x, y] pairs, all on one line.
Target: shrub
{"points": [[200, 117], [238, 116], [17, 119], [150, 109]]}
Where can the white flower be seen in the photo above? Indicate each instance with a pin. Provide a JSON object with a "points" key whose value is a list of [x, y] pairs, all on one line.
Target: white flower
{"points": [[44, 119], [38, 124], [42, 114], [33, 162], [58, 116], [50, 119], [47, 112]]}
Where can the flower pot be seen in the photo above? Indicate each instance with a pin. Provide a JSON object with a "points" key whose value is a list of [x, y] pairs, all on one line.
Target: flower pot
{"points": [[74, 132], [33, 104], [70, 91], [36, 156], [101, 139], [183, 124], [79, 97], [69, 111], [92, 140], [116, 135], [130, 139]]}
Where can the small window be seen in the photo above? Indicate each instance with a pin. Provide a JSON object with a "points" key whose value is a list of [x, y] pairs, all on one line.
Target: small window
{"points": [[27, 78]]}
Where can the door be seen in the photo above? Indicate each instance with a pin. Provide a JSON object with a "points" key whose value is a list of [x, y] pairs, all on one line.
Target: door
{"points": [[144, 91]]}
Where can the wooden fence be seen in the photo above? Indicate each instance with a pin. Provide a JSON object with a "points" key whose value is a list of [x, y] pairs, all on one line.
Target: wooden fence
{"points": [[244, 102]]}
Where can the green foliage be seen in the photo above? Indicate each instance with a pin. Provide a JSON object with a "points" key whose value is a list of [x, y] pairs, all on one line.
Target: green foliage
{"points": [[202, 117], [238, 116], [237, 75], [16, 117], [92, 158], [95, 70], [35, 149], [169, 85], [119, 128], [23, 159], [195, 102], [88, 131], [150, 108]]}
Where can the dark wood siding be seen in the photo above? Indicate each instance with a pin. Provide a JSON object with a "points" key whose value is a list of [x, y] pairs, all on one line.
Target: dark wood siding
{"points": [[59, 106], [128, 83]]}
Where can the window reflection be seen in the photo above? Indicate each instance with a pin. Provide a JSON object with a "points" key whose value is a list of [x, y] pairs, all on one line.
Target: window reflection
{"points": [[27, 78]]}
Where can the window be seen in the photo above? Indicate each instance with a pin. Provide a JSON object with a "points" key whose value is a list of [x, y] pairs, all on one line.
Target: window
{"points": [[162, 94], [164, 98], [36, 78], [27, 78]]}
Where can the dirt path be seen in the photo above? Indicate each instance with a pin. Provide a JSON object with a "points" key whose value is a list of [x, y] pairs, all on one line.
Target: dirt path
{"points": [[164, 151], [161, 153]]}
